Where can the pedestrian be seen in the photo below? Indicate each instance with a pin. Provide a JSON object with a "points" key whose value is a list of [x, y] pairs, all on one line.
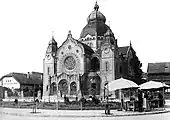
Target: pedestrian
{"points": [[144, 100], [161, 100]]}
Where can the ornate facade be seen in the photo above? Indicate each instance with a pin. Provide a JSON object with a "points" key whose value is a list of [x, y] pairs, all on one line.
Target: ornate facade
{"points": [[83, 67]]}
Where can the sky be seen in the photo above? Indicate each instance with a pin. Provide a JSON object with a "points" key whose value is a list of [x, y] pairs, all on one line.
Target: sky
{"points": [[26, 28]]}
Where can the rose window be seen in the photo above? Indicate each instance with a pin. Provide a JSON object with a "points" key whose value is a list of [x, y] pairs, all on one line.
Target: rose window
{"points": [[70, 62]]}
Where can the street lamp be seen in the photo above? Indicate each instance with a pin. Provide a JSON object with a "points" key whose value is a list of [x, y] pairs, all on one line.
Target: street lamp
{"points": [[34, 104]]}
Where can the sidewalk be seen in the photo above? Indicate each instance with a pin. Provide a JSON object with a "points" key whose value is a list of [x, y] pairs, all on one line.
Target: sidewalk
{"points": [[77, 113], [74, 113]]}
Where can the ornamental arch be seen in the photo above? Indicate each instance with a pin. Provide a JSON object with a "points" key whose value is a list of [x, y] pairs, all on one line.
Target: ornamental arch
{"points": [[63, 87]]}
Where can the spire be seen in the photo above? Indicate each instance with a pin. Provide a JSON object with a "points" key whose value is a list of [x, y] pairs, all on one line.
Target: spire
{"points": [[96, 7], [130, 43], [52, 35]]}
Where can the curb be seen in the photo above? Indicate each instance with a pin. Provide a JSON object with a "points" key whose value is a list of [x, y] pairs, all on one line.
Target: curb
{"points": [[112, 115]]}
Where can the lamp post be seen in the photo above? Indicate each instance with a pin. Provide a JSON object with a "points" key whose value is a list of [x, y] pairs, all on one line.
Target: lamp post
{"points": [[34, 104], [107, 109]]}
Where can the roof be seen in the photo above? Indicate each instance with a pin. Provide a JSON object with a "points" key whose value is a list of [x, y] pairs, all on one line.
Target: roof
{"points": [[163, 67], [95, 28], [123, 50], [34, 78], [86, 47]]}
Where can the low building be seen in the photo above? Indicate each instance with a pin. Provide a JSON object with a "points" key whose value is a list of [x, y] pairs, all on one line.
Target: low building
{"points": [[1, 93], [22, 85], [159, 72]]}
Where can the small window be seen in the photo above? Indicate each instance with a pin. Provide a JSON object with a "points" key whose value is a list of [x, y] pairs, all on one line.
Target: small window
{"points": [[107, 65], [47, 88], [91, 44], [120, 69], [48, 70], [69, 47]]}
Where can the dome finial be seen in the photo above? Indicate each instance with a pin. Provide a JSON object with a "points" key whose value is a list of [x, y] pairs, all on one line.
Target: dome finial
{"points": [[69, 33], [96, 7]]}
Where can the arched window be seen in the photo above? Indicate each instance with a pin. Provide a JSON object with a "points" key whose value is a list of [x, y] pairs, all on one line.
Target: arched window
{"points": [[107, 66], [47, 88], [53, 88], [91, 44], [73, 88], [95, 64]]}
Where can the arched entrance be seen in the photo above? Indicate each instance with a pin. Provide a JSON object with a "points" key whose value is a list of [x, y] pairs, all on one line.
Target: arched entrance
{"points": [[63, 87], [94, 84], [73, 88]]}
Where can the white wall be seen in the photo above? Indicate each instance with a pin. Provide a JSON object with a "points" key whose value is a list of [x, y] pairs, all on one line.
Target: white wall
{"points": [[10, 82]]}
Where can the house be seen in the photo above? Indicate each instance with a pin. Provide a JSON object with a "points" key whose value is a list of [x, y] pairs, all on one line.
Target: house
{"points": [[22, 85]]}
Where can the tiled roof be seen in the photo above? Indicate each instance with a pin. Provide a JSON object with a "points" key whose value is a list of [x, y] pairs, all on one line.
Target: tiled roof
{"points": [[123, 50], [163, 67], [23, 79]]}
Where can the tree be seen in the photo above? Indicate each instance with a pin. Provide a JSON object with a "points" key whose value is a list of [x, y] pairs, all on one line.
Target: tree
{"points": [[134, 67]]}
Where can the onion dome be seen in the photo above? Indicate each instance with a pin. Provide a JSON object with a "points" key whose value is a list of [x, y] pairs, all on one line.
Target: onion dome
{"points": [[96, 15], [52, 47]]}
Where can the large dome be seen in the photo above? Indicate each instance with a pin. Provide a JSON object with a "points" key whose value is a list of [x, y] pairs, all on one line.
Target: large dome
{"points": [[95, 24]]}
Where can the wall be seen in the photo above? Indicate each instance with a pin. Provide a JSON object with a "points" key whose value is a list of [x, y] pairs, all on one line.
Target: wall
{"points": [[10, 82]]}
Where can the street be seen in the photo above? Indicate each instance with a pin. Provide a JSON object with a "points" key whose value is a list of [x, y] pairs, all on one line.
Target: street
{"points": [[164, 116]]}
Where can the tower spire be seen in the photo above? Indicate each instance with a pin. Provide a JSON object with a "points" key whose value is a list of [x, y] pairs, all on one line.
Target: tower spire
{"points": [[130, 43], [52, 34]]}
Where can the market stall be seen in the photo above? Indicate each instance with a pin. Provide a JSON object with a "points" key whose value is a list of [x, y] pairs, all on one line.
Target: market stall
{"points": [[155, 94], [120, 84]]}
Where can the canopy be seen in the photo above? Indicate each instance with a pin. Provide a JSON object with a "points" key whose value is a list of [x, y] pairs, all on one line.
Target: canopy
{"points": [[152, 85], [120, 84]]}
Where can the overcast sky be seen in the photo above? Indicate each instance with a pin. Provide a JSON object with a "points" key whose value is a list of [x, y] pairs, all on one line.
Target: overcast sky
{"points": [[26, 28]]}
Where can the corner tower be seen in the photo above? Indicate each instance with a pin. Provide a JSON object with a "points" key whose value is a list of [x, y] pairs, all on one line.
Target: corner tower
{"points": [[49, 67]]}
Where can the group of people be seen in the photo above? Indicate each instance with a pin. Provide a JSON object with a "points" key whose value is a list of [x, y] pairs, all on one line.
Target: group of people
{"points": [[148, 100], [145, 100]]}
